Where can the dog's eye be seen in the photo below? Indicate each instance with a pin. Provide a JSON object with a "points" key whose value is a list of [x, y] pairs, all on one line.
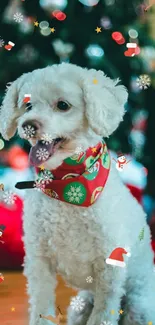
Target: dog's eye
{"points": [[63, 106], [28, 106]]}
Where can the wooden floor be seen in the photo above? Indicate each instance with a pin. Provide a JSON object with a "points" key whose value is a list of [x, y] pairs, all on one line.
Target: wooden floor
{"points": [[14, 300]]}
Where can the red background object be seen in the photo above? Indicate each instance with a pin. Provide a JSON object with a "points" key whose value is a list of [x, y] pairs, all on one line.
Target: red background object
{"points": [[12, 251]]}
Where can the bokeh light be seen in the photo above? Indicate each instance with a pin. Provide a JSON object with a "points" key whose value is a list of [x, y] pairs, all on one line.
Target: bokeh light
{"points": [[45, 31], [118, 38], [59, 15], [94, 50], [44, 24], [133, 33], [89, 3]]}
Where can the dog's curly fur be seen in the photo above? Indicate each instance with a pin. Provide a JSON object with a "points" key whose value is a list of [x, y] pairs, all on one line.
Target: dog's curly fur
{"points": [[75, 241]]}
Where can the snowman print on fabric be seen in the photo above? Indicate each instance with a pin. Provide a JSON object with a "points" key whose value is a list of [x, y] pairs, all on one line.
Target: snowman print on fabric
{"points": [[121, 162]]}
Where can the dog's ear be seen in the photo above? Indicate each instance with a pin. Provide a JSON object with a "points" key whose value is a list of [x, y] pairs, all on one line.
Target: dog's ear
{"points": [[104, 101], [9, 112]]}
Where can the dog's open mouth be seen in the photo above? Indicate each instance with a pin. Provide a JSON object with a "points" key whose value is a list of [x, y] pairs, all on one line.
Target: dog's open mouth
{"points": [[41, 152]]}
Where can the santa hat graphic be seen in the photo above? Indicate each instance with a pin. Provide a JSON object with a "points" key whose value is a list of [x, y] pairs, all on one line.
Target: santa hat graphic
{"points": [[116, 257]]}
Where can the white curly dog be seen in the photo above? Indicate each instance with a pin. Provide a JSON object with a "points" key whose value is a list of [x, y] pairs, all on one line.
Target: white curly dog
{"points": [[80, 106]]}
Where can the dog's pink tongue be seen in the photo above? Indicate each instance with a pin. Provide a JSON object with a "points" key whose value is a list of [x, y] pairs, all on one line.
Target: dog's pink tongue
{"points": [[40, 153]]}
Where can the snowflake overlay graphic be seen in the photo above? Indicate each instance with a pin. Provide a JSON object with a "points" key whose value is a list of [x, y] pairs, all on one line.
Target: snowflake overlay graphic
{"points": [[9, 197], [40, 186], [74, 194], [77, 303], [46, 138], [106, 323], [18, 17], [1, 42], [143, 81], [78, 150], [89, 279], [29, 132], [46, 176], [42, 154]]}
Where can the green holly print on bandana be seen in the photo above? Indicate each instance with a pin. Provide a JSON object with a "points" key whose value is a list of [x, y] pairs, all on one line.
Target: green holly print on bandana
{"points": [[81, 178]]}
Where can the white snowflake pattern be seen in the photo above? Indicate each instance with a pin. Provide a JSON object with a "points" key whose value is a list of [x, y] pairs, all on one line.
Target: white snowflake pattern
{"points": [[29, 132], [106, 323], [46, 176], [74, 194], [18, 17], [40, 186], [46, 138], [42, 154], [77, 303], [78, 150], [1, 42], [143, 81], [89, 279], [9, 197]]}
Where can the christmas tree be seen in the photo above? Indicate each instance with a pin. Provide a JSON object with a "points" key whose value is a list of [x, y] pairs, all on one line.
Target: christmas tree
{"points": [[93, 34]]}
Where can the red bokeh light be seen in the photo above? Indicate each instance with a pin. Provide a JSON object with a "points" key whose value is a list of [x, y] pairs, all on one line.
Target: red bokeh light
{"points": [[59, 15], [117, 36], [137, 50], [121, 41]]}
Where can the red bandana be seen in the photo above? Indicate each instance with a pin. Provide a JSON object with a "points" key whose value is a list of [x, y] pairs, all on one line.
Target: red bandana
{"points": [[81, 177]]}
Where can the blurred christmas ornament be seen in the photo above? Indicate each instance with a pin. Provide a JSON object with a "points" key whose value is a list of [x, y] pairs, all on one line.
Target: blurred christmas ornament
{"points": [[59, 15], [133, 85], [63, 50], [50, 5], [137, 135], [1, 277], [27, 25], [28, 54], [13, 8], [147, 55], [118, 38], [133, 33], [44, 24], [137, 140], [18, 158], [45, 31], [109, 2], [139, 120], [106, 22], [89, 3], [94, 51]]}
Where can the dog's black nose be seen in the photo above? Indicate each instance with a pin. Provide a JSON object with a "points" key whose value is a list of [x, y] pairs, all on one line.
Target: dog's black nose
{"points": [[31, 124]]}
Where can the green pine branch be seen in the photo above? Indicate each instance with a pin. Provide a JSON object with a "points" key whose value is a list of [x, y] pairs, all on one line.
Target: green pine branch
{"points": [[141, 235]]}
